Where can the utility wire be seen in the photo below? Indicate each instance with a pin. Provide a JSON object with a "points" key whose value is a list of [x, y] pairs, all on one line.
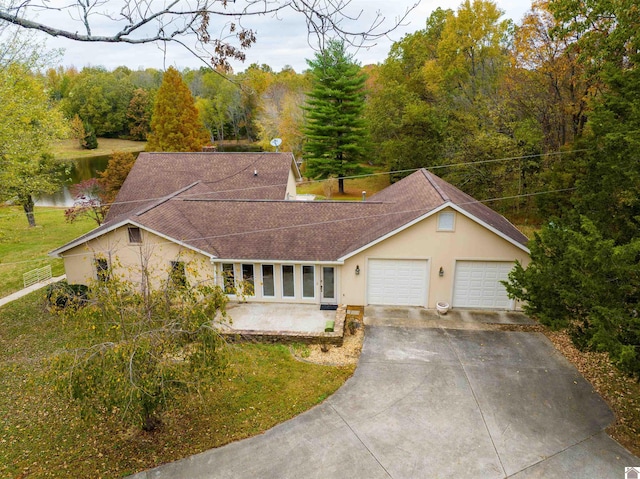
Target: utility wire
{"points": [[319, 223], [186, 195]]}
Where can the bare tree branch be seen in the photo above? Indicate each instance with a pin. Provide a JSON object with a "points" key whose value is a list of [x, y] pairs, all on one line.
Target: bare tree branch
{"points": [[155, 21]]}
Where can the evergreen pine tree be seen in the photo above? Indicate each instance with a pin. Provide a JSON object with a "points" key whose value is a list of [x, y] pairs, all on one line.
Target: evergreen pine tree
{"points": [[175, 125], [90, 140], [335, 130]]}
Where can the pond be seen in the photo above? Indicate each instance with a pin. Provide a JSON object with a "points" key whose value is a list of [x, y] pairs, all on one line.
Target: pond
{"points": [[82, 169], [85, 168]]}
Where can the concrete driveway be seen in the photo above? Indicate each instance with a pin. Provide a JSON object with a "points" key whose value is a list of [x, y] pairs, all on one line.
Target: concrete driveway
{"points": [[430, 402]]}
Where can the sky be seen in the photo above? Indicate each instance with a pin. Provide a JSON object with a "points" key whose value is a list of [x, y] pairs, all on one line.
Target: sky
{"points": [[281, 41]]}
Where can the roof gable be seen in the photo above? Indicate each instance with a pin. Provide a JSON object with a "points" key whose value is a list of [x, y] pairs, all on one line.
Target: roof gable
{"points": [[223, 219]]}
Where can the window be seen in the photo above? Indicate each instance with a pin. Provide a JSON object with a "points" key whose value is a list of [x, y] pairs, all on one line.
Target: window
{"points": [[102, 269], [268, 283], [228, 278], [446, 221], [288, 281], [178, 274], [135, 236], [248, 282], [308, 282]]}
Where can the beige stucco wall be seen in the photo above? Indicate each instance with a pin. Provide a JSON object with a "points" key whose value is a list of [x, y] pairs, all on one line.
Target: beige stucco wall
{"points": [[126, 259], [468, 241], [291, 186]]}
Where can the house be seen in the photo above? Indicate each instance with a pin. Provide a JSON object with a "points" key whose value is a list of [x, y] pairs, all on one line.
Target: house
{"points": [[229, 218]]}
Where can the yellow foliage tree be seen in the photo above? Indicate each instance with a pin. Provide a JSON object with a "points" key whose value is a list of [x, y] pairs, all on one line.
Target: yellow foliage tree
{"points": [[175, 125]]}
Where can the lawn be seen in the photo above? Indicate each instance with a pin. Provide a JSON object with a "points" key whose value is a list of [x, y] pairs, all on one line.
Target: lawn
{"points": [[23, 248], [70, 149], [353, 187], [43, 434]]}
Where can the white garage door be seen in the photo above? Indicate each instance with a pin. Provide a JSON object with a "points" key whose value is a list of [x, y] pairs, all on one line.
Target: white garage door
{"points": [[401, 282], [477, 285]]}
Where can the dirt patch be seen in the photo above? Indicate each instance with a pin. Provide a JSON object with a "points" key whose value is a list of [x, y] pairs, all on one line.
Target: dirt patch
{"points": [[345, 355]]}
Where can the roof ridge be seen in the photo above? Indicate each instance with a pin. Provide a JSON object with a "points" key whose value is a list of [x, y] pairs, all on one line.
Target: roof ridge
{"points": [[165, 199], [185, 153], [430, 179], [294, 202]]}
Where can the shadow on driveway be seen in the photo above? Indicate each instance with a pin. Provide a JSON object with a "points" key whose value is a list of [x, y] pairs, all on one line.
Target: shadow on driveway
{"points": [[436, 403]]}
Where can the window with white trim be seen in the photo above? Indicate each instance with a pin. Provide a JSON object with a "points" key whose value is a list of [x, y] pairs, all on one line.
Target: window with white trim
{"points": [[248, 280], [103, 271], [135, 236], [288, 281], [228, 278], [446, 221], [268, 281], [308, 281]]}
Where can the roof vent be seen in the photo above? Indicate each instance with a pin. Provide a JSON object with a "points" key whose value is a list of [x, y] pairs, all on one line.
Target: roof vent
{"points": [[364, 196], [255, 172]]}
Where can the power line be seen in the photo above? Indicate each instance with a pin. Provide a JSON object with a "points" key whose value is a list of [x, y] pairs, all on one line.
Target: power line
{"points": [[469, 163], [319, 223]]}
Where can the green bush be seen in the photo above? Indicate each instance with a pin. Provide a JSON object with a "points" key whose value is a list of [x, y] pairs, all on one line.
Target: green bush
{"points": [[62, 295]]}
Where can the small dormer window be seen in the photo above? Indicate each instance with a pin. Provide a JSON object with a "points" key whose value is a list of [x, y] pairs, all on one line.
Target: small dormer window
{"points": [[446, 221], [135, 236]]}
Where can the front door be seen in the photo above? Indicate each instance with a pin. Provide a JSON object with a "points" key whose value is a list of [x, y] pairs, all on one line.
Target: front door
{"points": [[328, 284]]}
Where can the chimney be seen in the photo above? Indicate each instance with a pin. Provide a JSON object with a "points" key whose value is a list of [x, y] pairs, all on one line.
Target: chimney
{"points": [[364, 196]]}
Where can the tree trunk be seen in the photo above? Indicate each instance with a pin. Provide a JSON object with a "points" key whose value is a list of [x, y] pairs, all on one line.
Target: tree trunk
{"points": [[341, 185], [27, 205]]}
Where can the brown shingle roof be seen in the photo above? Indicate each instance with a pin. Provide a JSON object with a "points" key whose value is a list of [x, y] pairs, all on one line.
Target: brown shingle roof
{"points": [[226, 175], [231, 224]]}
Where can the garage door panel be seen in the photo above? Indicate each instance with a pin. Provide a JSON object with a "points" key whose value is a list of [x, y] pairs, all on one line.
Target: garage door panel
{"points": [[477, 285], [397, 282]]}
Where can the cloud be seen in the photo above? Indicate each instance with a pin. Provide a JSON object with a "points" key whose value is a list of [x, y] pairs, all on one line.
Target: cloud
{"points": [[281, 40]]}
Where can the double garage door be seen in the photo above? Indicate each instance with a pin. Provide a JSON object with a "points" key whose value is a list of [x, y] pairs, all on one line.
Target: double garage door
{"points": [[477, 285], [404, 282]]}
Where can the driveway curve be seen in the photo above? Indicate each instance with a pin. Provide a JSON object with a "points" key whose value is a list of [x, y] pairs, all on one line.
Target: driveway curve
{"points": [[436, 403]]}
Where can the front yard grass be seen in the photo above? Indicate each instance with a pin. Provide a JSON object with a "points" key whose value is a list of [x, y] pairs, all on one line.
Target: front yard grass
{"points": [[23, 248], [43, 435]]}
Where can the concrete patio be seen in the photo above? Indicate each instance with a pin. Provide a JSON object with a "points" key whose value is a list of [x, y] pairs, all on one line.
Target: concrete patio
{"points": [[278, 317]]}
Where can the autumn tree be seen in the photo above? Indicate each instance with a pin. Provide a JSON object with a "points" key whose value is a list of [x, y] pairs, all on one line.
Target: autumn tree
{"points": [[335, 130], [406, 108], [584, 273], [28, 125], [279, 112], [136, 348], [139, 114], [175, 125], [219, 106], [112, 178], [101, 99], [88, 201]]}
